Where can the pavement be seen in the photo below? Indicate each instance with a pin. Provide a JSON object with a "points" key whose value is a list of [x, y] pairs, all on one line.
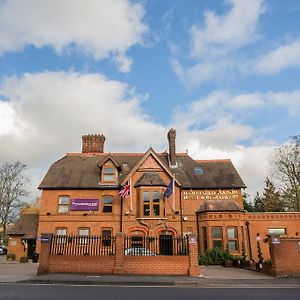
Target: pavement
{"points": [[211, 276]]}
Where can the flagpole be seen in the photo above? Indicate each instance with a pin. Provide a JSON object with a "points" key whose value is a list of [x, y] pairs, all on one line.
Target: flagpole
{"points": [[173, 187], [130, 195]]}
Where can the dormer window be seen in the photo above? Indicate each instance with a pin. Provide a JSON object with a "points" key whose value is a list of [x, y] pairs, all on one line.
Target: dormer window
{"points": [[109, 174]]}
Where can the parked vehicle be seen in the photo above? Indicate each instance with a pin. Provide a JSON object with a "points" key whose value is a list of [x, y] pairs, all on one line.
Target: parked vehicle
{"points": [[3, 250], [139, 251]]}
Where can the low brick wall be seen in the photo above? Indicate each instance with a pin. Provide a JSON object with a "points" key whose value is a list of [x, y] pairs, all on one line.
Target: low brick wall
{"points": [[81, 264], [119, 263], [285, 255], [157, 265]]}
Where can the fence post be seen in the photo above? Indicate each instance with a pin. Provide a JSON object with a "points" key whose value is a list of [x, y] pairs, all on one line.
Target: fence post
{"points": [[44, 254], [194, 269], [119, 255]]}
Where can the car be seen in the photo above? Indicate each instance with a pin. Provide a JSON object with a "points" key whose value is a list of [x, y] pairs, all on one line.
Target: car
{"points": [[3, 250], [139, 251]]}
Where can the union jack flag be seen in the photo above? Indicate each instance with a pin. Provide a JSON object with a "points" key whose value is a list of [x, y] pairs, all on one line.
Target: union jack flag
{"points": [[125, 191]]}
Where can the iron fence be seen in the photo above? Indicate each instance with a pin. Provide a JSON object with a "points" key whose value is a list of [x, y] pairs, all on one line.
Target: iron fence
{"points": [[82, 245], [151, 246]]}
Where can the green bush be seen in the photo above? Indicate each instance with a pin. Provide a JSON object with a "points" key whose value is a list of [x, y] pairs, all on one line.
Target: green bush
{"points": [[11, 256], [214, 256], [268, 262]]}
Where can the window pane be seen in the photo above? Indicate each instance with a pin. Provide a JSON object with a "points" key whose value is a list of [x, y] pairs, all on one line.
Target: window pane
{"points": [[106, 232], [146, 196], [232, 246], [107, 209], [61, 231], [109, 177], [204, 233], [84, 231], [231, 233], [217, 232], [217, 243], [108, 200], [155, 196], [109, 171], [156, 209], [63, 200], [146, 210], [63, 208], [277, 231]]}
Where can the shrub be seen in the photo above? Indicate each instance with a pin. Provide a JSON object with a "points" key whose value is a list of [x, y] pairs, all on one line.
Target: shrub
{"points": [[11, 256], [268, 262], [214, 256]]}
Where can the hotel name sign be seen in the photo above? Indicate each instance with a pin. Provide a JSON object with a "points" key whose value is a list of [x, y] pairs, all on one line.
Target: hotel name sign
{"points": [[211, 195]]}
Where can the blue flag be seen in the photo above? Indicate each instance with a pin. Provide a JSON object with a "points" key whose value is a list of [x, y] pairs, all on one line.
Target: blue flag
{"points": [[169, 191]]}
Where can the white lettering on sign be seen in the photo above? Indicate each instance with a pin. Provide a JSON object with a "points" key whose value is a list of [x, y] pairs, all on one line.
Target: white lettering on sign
{"points": [[210, 195]]}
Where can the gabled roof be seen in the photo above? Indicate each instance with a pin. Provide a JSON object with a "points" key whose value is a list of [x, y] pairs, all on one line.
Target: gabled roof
{"points": [[109, 157], [150, 179], [219, 205], [150, 152], [81, 171], [26, 226]]}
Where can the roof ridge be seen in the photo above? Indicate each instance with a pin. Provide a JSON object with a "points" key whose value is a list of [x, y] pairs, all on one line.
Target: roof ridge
{"points": [[213, 160]]}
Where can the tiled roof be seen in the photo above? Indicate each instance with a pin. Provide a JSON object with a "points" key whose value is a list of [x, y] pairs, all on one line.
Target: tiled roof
{"points": [[218, 205], [81, 171], [150, 179], [26, 226]]}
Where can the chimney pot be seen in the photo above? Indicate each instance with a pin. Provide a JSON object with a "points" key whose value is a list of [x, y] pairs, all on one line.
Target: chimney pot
{"points": [[172, 147], [93, 143]]}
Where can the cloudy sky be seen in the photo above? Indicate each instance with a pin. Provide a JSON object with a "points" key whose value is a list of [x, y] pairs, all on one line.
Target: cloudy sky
{"points": [[224, 74]]}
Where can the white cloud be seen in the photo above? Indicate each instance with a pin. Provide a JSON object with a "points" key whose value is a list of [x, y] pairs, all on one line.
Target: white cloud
{"points": [[281, 58], [99, 28], [214, 45], [231, 30]]}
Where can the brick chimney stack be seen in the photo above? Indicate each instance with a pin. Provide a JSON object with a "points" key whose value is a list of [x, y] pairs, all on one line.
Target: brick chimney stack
{"points": [[172, 147], [93, 143]]}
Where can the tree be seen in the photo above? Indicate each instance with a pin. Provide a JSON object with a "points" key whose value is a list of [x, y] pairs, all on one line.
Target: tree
{"points": [[258, 204], [248, 206], [286, 163], [271, 198], [13, 184]]}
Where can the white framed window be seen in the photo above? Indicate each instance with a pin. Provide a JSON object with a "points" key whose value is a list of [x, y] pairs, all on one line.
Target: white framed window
{"points": [[232, 237], [277, 231], [63, 204], [83, 232]]}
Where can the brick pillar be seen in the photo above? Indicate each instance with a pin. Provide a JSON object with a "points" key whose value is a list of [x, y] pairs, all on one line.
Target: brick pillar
{"points": [[194, 269], [276, 256], [119, 256], [44, 254]]}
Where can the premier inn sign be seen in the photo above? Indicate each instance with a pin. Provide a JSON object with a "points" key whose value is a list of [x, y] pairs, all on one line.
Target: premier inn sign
{"points": [[85, 204]]}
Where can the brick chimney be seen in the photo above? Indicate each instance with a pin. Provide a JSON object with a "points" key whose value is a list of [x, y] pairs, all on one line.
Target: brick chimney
{"points": [[93, 143], [172, 147]]}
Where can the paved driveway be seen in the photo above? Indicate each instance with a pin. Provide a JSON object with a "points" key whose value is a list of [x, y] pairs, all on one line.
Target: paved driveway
{"points": [[12, 271], [219, 272]]}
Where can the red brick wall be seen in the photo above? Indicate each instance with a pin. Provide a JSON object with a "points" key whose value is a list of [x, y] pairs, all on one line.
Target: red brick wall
{"points": [[156, 265], [81, 264], [286, 257], [119, 263]]}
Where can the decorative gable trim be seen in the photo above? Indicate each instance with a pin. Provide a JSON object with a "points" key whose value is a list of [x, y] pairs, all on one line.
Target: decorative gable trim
{"points": [[149, 153]]}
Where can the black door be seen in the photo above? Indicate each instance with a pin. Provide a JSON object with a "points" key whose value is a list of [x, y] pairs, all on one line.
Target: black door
{"points": [[165, 245]]}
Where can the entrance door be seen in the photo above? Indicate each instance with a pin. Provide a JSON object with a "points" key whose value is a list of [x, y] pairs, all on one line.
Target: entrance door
{"points": [[31, 248], [166, 244]]}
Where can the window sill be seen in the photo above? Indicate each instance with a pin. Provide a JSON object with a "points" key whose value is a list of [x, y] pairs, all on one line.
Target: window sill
{"points": [[152, 218]]}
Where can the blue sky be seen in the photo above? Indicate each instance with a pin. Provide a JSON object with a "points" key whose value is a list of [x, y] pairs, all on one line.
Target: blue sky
{"points": [[224, 74]]}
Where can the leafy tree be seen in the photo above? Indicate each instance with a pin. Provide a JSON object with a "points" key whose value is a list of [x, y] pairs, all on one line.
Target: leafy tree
{"points": [[12, 188], [286, 163], [258, 204], [248, 206], [271, 198]]}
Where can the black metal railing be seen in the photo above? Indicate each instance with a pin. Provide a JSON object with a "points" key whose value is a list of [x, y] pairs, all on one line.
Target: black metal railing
{"points": [[82, 245], [151, 246]]}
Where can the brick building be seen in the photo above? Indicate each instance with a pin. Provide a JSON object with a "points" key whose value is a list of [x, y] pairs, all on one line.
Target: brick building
{"points": [[80, 196]]}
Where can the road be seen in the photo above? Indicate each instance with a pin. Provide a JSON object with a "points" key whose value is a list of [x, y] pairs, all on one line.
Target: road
{"points": [[45, 292]]}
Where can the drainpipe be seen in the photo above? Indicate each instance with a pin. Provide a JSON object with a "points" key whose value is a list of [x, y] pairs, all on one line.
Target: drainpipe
{"points": [[249, 240]]}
